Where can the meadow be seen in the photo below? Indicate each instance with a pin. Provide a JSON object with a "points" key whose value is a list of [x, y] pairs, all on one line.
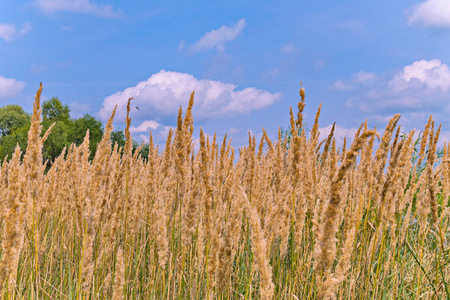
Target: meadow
{"points": [[290, 218]]}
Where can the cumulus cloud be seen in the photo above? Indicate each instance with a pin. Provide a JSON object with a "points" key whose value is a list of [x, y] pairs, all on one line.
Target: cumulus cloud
{"points": [[162, 94], [431, 13], [8, 32], [79, 6], [145, 126], [423, 73], [10, 87], [416, 91], [218, 37]]}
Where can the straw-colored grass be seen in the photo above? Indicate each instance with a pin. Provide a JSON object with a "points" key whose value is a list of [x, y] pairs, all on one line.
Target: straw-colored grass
{"points": [[291, 218]]}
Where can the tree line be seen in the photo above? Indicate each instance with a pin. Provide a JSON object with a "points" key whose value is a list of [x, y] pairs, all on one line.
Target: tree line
{"points": [[15, 123]]}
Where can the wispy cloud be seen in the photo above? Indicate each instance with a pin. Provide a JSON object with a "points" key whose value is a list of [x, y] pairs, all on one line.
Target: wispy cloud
{"points": [[218, 37], [431, 13], [362, 76], [340, 86], [8, 32], [10, 87], [79, 6], [164, 92], [288, 49]]}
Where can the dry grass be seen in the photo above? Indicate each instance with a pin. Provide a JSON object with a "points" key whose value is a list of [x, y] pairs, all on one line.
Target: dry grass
{"points": [[307, 221]]}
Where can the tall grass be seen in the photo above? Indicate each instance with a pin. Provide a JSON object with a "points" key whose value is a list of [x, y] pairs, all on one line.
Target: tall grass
{"points": [[307, 221]]}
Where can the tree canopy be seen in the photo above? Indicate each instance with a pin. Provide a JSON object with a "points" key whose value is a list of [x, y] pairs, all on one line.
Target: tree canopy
{"points": [[15, 123]]}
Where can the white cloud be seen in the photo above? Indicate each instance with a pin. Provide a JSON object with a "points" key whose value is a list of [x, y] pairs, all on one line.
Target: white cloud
{"points": [[288, 49], [79, 6], [431, 74], [10, 87], [8, 32], [218, 37], [145, 126], [418, 90], [164, 92], [431, 13], [340, 86]]}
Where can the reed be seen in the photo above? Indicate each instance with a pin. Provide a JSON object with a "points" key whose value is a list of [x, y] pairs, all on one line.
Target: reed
{"points": [[290, 217]]}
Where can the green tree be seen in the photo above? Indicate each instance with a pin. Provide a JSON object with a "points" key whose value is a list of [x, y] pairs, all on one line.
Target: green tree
{"points": [[12, 117], [54, 110], [79, 128], [8, 143], [118, 137]]}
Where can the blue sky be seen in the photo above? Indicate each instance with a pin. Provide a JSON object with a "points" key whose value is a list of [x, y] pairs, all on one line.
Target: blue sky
{"points": [[245, 59]]}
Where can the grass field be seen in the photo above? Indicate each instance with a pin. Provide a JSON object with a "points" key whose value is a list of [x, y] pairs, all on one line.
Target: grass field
{"points": [[291, 218]]}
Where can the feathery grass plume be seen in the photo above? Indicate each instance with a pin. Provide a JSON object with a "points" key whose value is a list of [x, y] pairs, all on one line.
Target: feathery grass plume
{"points": [[332, 282], [325, 248], [382, 151], [402, 171], [327, 146], [81, 220], [126, 165], [204, 167], [268, 141], [188, 126], [216, 242], [32, 160], [13, 231], [232, 234], [167, 156], [446, 173], [119, 278], [161, 229], [423, 142], [259, 248], [292, 122], [47, 133], [344, 150], [429, 173], [301, 106], [179, 143], [315, 129], [192, 200], [397, 135], [222, 159], [333, 160], [384, 202], [94, 203]]}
